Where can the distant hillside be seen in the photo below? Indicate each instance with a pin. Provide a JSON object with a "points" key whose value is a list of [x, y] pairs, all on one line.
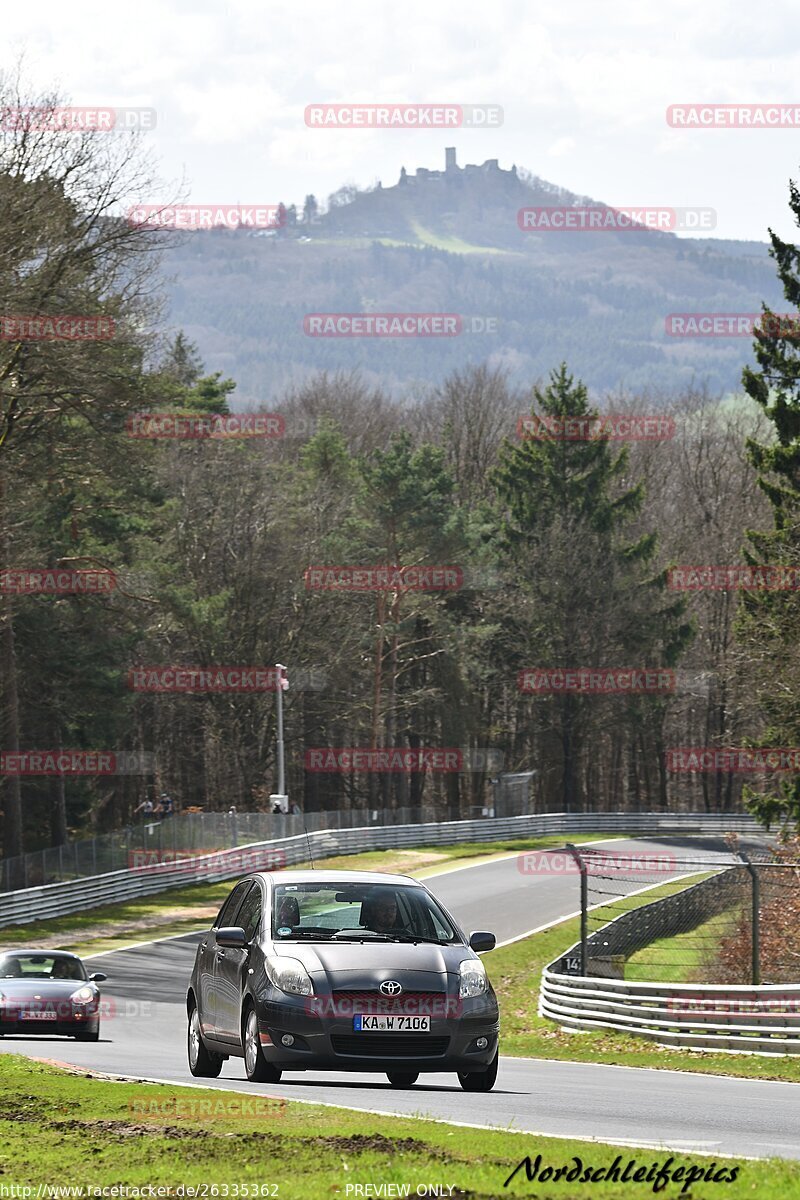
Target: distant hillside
{"points": [[448, 241]]}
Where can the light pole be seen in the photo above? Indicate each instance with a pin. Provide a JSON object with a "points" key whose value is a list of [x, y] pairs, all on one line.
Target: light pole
{"points": [[280, 798]]}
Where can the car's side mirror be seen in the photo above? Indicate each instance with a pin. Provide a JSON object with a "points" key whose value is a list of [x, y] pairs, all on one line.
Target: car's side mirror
{"points": [[232, 936], [480, 942], [98, 977]]}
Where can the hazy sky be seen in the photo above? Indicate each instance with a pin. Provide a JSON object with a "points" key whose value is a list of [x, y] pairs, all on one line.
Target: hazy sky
{"points": [[584, 88]]}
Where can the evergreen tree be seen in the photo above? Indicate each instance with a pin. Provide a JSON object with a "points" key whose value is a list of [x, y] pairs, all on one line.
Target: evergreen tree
{"points": [[770, 620], [580, 589]]}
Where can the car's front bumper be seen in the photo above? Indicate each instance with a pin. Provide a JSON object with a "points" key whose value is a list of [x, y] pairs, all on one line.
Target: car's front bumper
{"points": [[63, 1026], [331, 1043]]}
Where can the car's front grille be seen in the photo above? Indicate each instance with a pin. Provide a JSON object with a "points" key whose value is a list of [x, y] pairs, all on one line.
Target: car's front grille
{"points": [[393, 1045], [413, 1003]]}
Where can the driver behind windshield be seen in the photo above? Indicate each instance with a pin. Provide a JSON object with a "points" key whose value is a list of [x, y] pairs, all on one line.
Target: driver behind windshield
{"points": [[379, 912]]}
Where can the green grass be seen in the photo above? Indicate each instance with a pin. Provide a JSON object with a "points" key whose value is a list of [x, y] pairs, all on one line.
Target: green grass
{"points": [[112, 926], [452, 244], [684, 958], [65, 1129]]}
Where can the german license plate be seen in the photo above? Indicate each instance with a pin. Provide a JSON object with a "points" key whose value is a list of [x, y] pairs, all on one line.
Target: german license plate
{"points": [[38, 1015], [383, 1023]]}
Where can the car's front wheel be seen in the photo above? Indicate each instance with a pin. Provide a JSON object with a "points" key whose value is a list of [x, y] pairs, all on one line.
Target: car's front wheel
{"points": [[479, 1081], [257, 1068], [202, 1063], [402, 1079]]}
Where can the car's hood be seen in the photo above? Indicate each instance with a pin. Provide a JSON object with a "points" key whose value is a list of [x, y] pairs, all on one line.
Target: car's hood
{"points": [[41, 989], [359, 966]]}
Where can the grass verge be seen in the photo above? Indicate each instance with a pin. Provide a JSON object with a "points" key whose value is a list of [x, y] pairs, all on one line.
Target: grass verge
{"points": [[63, 1129], [686, 957]]}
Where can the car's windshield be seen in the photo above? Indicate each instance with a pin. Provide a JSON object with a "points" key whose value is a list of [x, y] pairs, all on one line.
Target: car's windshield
{"points": [[358, 911], [40, 966]]}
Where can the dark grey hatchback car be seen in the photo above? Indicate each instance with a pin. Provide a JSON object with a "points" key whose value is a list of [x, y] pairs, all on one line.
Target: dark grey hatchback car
{"points": [[341, 971]]}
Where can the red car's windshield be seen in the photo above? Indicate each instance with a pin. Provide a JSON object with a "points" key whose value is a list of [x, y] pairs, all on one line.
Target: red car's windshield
{"points": [[41, 966]]}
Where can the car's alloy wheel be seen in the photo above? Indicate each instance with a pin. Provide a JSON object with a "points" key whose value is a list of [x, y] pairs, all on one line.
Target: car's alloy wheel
{"points": [[257, 1068], [479, 1081], [402, 1079], [202, 1062]]}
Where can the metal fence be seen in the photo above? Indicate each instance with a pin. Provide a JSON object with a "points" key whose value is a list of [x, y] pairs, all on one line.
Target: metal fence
{"points": [[738, 924], [55, 899], [186, 833]]}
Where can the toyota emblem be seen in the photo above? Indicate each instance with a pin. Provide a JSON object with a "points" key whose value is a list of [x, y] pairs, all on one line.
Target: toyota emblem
{"points": [[390, 987]]}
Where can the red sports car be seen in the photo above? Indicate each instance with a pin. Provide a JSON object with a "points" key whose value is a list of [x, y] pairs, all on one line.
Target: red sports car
{"points": [[48, 991]]}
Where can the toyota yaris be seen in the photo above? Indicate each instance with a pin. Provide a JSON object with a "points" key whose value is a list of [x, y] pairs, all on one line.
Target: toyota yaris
{"points": [[341, 971], [49, 991]]}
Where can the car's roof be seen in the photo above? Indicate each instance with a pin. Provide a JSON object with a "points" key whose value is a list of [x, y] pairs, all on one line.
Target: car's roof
{"points": [[17, 952], [309, 876]]}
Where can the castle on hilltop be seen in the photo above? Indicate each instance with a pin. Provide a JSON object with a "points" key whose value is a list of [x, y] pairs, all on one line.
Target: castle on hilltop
{"points": [[452, 171]]}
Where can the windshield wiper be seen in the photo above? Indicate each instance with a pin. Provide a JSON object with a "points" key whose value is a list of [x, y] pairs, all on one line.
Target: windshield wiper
{"points": [[363, 935]]}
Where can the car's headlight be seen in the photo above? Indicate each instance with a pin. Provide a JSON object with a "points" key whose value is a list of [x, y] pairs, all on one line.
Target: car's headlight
{"points": [[84, 995], [473, 978], [290, 976]]}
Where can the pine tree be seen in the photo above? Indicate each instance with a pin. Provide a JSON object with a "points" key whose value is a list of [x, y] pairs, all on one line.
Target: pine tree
{"points": [[580, 593], [770, 621]]}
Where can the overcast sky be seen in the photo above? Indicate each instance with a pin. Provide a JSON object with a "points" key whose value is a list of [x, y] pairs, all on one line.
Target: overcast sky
{"points": [[584, 88]]}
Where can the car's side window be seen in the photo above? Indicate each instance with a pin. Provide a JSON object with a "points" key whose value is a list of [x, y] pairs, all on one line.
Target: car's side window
{"points": [[226, 914], [249, 917]]}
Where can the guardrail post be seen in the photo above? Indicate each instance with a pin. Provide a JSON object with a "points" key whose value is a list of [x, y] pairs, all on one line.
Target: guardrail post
{"points": [[755, 920], [584, 903]]}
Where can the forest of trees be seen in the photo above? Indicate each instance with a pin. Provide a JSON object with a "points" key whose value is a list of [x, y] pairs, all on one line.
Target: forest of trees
{"points": [[563, 548]]}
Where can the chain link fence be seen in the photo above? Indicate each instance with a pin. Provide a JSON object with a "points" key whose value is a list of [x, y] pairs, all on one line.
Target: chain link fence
{"points": [[150, 841], [723, 916]]}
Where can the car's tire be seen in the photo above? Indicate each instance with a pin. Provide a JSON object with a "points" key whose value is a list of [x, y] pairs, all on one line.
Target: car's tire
{"points": [[402, 1079], [479, 1081], [202, 1062], [257, 1069], [88, 1036]]}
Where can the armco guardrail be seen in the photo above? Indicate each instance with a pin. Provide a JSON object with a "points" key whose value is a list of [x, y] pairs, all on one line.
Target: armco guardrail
{"points": [[763, 1019], [58, 899]]}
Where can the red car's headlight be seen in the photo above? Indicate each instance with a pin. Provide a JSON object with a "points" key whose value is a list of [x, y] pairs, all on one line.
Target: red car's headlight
{"points": [[84, 995]]}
